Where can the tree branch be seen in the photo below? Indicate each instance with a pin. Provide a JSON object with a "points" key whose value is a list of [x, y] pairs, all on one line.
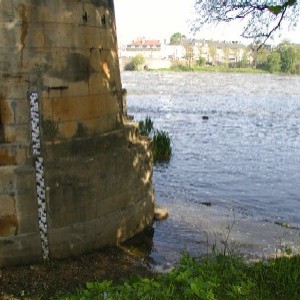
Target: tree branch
{"points": [[274, 28]]}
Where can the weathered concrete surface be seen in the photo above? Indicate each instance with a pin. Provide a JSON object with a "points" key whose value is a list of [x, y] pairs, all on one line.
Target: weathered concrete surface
{"points": [[97, 170]]}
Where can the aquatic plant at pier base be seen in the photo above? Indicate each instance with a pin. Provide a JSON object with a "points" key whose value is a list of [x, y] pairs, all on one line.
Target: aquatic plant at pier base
{"points": [[146, 127], [161, 146], [161, 140]]}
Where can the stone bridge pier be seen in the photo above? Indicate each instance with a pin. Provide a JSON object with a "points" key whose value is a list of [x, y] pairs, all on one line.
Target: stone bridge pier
{"points": [[74, 174]]}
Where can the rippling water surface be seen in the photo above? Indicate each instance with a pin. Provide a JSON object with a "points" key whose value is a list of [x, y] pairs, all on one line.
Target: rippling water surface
{"points": [[245, 157]]}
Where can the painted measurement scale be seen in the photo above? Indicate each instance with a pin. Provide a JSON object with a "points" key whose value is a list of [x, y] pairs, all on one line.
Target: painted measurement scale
{"points": [[39, 171]]}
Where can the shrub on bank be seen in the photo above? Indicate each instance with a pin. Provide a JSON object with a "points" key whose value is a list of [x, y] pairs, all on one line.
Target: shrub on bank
{"points": [[136, 63]]}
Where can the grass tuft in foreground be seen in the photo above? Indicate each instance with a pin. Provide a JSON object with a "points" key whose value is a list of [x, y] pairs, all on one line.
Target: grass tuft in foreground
{"points": [[213, 277]]}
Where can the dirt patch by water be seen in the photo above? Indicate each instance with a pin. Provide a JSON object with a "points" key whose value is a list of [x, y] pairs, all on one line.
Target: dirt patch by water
{"points": [[61, 277]]}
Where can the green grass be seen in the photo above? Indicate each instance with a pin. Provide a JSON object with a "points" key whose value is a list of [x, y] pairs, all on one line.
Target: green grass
{"points": [[224, 69], [215, 276]]}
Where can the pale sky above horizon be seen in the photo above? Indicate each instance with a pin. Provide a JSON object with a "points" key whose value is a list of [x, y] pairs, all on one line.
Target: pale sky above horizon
{"points": [[159, 19]]}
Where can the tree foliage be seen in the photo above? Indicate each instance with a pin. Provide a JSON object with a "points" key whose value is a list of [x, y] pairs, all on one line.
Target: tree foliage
{"points": [[273, 62], [176, 38], [284, 58], [288, 56], [262, 17]]}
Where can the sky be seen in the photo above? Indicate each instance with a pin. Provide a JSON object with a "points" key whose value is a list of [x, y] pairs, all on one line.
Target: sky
{"points": [[159, 19]]}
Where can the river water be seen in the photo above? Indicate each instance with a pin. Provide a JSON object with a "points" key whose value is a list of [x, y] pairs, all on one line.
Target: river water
{"points": [[244, 160]]}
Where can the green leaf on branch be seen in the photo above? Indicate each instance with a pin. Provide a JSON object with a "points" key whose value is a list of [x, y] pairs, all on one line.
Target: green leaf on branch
{"points": [[291, 2], [275, 9]]}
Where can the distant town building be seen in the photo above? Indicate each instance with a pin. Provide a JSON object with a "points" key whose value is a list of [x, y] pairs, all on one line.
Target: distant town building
{"points": [[189, 51], [148, 48]]}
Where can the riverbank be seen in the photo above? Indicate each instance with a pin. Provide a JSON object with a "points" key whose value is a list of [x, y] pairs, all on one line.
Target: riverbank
{"points": [[61, 277], [215, 228], [124, 273], [216, 276], [219, 69], [226, 234]]}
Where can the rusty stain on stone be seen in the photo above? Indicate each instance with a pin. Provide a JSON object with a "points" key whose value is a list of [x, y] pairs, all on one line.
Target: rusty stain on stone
{"points": [[5, 112], [6, 158], [23, 16], [8, 226]]}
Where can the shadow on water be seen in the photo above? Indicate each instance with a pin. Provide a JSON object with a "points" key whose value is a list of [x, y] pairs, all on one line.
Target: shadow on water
{"points": [[141, 245], [148, 244]]}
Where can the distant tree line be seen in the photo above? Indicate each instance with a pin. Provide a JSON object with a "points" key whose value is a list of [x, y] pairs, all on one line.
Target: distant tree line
{"points": [[283, 58]]}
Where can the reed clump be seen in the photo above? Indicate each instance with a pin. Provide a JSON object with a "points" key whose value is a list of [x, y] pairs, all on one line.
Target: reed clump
{"points": [[160, 140]]}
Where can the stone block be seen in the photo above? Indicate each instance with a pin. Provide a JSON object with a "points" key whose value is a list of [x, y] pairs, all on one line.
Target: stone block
{"points": [[13, 154], [116, 201], [22, 249], [57, 88], [28, 223], [110, 229], [6, 11], [49, 63], [68, 129], [10, 33], [110, 56], [6, 156], [70, 204], [59, 35], [95, 15], [8, 226], [8, 180], [15, 85], [99, 85], [26, 202], [100, 125], [32, 62], [6, 112], [35, 37], [16, 133], [60, 12], [94, 37], [14, 112], [77, 108], [118, 183], [46, 109], [7, 205], [95, 59]]}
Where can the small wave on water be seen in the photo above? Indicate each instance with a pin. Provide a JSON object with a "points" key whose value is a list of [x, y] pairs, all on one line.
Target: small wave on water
{"points": [[244, 157]]}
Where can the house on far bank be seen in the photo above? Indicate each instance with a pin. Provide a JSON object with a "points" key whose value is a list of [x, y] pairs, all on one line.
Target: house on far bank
{"points": [[147, 48], [159, 54], [216, 52]]}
